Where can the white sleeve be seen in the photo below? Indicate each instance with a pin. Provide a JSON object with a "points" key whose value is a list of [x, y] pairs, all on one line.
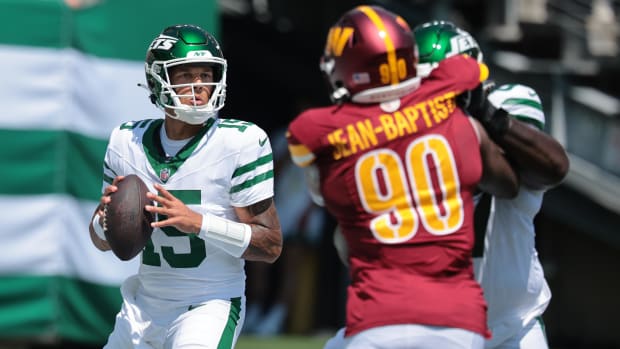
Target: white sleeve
{"points": [[252, 180]]}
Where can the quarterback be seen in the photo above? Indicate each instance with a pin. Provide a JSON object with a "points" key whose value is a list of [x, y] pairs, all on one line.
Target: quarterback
{"points": [[211, 180]]}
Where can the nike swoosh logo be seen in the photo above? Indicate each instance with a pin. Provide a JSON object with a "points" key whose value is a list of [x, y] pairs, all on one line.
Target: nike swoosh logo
{"points": [[262, 142]]}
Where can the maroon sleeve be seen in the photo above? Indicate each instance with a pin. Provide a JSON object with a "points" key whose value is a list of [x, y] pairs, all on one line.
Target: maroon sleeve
{"points": [[304, 135], [459, 73]]}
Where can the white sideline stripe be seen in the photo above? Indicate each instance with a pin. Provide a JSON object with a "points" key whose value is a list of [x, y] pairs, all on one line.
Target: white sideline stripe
{"points": [[46, 88], [48, 235]]}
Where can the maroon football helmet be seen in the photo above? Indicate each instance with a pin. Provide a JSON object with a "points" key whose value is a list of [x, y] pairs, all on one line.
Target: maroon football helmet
{"points": [[370, 57]]}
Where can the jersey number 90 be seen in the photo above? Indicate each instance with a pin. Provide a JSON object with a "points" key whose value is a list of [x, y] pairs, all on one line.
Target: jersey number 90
{"points": [[422, 188]]}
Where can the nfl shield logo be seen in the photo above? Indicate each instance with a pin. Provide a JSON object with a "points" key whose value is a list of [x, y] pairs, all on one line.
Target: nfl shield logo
{"points": [[164, 174]]}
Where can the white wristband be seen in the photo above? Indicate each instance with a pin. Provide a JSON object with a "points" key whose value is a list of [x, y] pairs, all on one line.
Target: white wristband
{"points": [[98, 228], [232, 237]]}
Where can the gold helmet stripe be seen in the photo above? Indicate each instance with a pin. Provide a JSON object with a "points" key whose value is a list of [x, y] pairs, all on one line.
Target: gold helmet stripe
{"points": [[389, 44]]}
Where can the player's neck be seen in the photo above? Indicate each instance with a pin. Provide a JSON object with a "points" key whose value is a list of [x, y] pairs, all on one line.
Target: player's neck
{"points": [[179, 130]]}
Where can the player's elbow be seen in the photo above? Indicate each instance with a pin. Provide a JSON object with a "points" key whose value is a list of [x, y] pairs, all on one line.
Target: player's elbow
{"points": [[273, 253], [560, 167], [554, 173], [274, 248], [557, 165]]}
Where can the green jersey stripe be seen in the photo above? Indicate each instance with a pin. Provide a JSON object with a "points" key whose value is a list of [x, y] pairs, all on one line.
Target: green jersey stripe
{"points": [[252, 181], [106, 178], [253, 165]]}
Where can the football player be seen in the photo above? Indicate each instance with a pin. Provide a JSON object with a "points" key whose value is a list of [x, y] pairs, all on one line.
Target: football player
{"points": [[214, 204], [509, 271], [397, 162]]}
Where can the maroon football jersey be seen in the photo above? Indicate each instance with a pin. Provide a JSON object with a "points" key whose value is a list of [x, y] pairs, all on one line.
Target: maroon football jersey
{"points": [[399, 180]]}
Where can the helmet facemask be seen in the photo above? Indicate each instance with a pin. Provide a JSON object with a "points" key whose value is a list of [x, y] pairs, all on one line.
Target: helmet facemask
{"points": [[168, 99]]}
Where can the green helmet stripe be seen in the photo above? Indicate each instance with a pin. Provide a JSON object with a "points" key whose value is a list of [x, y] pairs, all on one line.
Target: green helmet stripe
{"points": [[523, 101]]}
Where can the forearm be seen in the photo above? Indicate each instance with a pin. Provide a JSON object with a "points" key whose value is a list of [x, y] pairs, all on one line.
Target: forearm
{"points": [[513, 116], [498, 176], [266, 236], [255, 235], [249, 240], [265, 244], [539, 159]]}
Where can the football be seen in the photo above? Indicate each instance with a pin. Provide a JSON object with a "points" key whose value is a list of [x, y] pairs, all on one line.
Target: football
{"points": [[127, 225]]}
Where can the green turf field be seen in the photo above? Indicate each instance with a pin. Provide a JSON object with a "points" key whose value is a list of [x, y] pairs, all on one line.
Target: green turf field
{"points": [[281, 342]]}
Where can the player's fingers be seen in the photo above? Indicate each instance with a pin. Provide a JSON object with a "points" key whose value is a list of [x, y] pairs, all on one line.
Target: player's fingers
{"points": [[156, 209], [159, 199], [105, 200], [163, 192], [164, 222], [110, 189], [169, 212], [117, 179], [159, 224]]}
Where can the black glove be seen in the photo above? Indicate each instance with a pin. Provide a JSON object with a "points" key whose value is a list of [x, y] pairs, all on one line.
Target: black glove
{"points": [[477, 104], [472, 101], [495, 121]]}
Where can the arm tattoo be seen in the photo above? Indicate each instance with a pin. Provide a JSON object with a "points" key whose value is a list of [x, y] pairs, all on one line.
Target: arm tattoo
{"points": [[260, 207]]}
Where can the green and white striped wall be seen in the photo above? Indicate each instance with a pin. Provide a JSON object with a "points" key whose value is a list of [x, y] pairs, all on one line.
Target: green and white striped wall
{"points": [[68, 74]]}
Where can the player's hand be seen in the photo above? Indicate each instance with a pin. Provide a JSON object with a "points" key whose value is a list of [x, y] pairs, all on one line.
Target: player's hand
{"points": [[494, 119], [177, 214], [473, 102], [105, 198]]}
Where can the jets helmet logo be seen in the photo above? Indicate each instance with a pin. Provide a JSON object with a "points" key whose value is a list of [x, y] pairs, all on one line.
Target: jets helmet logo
{"points": [[163, 42]]}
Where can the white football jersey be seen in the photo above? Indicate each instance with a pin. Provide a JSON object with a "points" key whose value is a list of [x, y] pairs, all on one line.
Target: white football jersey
{"points": [[229, 165], [510, 272]]}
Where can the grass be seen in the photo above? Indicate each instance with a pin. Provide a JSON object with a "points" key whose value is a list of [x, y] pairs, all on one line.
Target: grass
{"points": [[281, 342]]}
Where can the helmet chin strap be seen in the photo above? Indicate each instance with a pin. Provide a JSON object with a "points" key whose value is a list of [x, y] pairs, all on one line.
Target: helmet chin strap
{"points": [[191, 117]]}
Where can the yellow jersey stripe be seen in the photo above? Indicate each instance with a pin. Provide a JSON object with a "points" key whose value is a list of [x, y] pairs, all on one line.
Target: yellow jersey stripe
{"points": [[301, 155]]}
